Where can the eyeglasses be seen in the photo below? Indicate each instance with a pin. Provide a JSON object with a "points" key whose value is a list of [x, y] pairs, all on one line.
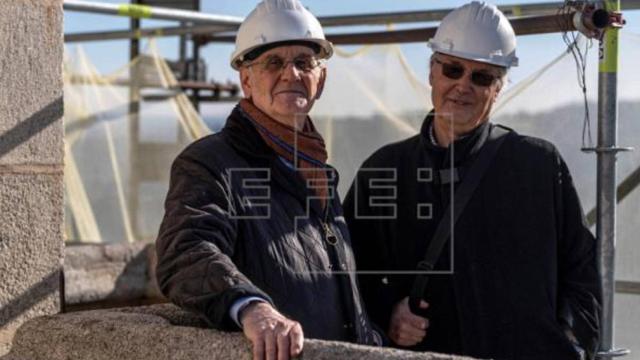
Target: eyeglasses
{"points": [[457, 71], [274, 63]]}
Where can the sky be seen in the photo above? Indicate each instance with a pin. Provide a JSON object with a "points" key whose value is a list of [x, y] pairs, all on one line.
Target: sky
{"points": [[533, 50]]}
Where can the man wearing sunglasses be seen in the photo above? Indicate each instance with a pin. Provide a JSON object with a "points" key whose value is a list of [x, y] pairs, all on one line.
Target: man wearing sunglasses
{"points": [[516, 276], [253, 237]]}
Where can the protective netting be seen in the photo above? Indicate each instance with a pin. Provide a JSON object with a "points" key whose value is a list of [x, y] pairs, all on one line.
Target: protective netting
{"points": [[118, 144], [120, 147]]}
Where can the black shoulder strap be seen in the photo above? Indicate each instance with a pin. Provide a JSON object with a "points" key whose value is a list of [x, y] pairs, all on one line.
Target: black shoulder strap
{"points": [[463, 194]]}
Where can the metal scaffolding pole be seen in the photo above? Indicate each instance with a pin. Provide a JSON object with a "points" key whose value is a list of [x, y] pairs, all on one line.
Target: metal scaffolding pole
{"points": [[182, 51], [510, 10], [196, 72], [134, 127], [513, 10], [539, 9], [606, 181], [522, 26], [144, 11], [147, 32]]}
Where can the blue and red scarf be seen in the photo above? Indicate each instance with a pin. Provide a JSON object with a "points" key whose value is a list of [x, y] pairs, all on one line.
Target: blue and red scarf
{"points": [[304, 149]]}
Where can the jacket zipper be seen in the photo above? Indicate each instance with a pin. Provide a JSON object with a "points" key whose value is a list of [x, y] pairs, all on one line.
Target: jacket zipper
{"points": [[329, 236]]}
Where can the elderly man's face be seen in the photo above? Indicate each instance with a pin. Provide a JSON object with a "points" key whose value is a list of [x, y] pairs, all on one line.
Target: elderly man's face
{"points": [[462, 101], [288, 94]]}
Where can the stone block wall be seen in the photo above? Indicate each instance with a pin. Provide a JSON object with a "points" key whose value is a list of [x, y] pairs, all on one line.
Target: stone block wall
{"points": [[31, 161]]}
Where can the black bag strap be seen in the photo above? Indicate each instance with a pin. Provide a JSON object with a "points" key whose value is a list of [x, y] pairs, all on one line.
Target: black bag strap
{"points": [[463, 194]]}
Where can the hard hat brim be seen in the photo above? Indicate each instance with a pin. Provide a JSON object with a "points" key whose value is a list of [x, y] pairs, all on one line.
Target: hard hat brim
{"points": [[498, 60], [325, 49]]}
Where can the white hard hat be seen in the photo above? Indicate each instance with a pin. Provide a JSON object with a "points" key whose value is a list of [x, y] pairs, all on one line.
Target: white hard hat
{"points": [[477, 31], [274, 21]]}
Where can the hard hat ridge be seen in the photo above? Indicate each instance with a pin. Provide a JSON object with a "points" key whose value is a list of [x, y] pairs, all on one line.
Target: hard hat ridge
{"points": [[271, 5]]}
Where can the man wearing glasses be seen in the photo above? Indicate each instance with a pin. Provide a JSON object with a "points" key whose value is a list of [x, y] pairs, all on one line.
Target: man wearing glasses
{"points": [[253, 237], [515, 275]]}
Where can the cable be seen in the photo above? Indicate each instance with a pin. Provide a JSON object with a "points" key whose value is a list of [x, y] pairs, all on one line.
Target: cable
{"points": [[572, 40]]}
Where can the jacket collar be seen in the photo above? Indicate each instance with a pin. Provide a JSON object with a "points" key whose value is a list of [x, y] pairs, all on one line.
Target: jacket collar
{"points": [[465, 147], [244, 137]]}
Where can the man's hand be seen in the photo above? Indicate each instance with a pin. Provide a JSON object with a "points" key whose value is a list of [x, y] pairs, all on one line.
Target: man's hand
{"points": [[405, 327], [273, 336]]}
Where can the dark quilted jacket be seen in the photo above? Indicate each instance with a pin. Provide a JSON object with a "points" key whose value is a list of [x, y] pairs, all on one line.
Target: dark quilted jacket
{"points": [[238, 223]]}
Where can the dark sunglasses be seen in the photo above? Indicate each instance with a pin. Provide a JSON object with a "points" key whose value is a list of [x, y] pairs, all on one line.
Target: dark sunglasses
{"points": [[275, 64], [456, 71]]}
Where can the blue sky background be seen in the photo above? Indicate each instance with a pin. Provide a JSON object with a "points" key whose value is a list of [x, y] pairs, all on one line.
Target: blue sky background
{"points": [[534, 50]]}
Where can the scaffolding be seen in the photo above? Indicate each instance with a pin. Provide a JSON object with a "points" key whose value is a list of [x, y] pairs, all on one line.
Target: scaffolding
{"points": [[526, 20]]}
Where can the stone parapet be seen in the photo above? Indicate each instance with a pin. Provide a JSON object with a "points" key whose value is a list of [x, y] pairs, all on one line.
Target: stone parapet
{"points": [[160, 332]]}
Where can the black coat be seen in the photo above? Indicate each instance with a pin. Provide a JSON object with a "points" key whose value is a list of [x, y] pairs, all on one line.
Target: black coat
{"points": [[524, 265], [236, 225]]}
